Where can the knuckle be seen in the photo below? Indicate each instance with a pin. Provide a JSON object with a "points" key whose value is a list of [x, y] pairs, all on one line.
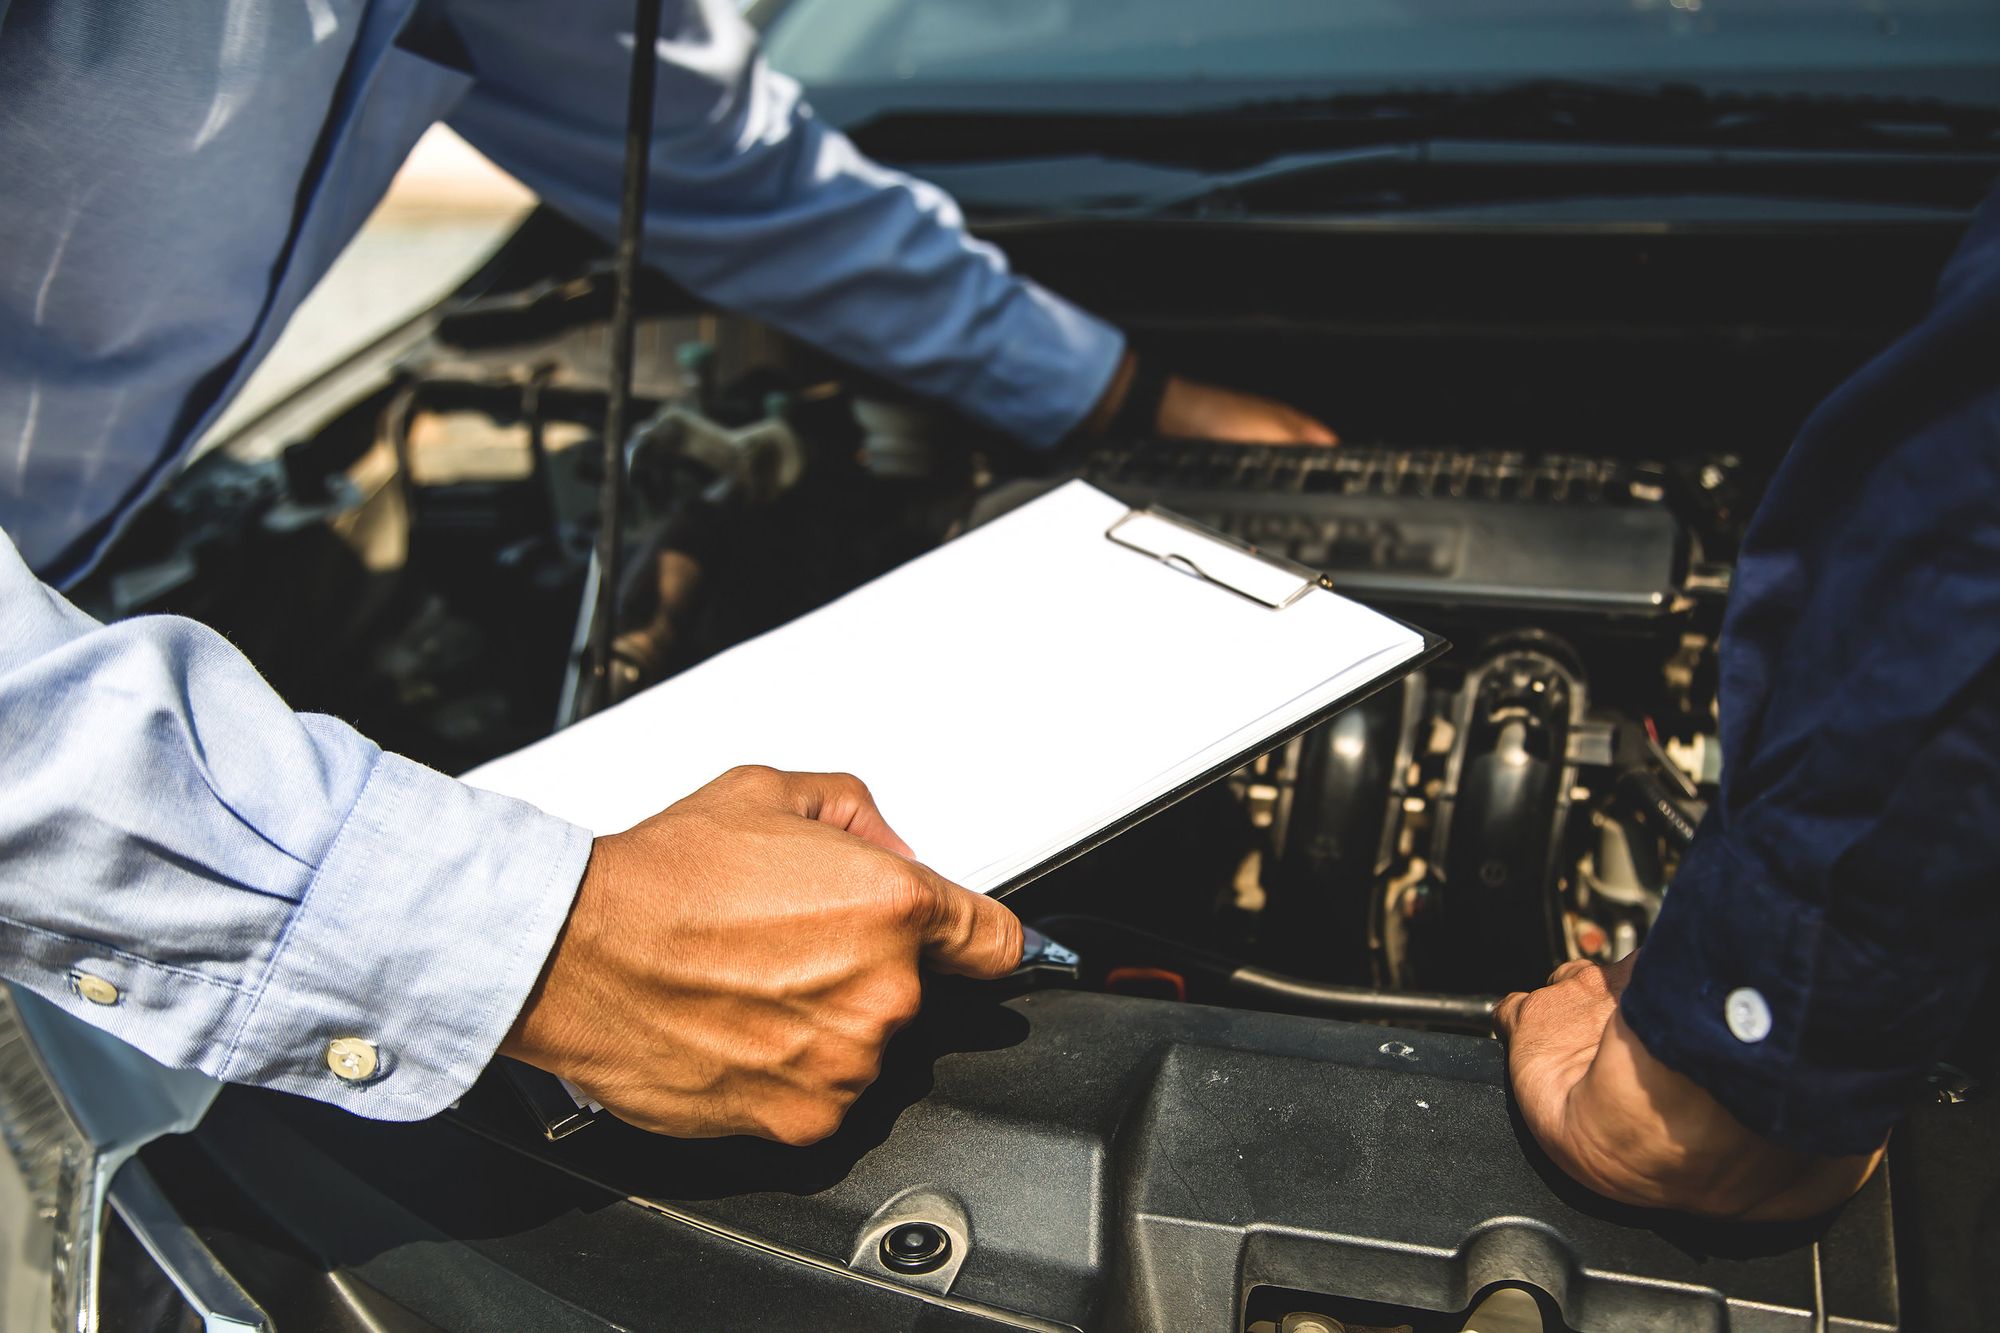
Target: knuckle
{"points": [[863, 1067], [902, 1001], [910, 898], [888, 1007], [807, 1123]]}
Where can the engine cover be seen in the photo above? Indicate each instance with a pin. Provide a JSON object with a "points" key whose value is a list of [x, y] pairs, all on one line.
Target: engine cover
{"points": [[1101, 1162]]}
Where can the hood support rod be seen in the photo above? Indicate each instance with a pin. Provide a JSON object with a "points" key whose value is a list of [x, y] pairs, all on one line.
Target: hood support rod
{"points": [[624, 318]]}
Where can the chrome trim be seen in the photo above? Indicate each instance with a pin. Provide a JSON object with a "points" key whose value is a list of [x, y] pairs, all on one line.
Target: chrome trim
{"points": [[114, 1101], [222, 1303]]}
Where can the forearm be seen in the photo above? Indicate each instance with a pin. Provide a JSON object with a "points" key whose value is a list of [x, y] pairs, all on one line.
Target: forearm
{"points": [[253, 883], [1646, 1134]]}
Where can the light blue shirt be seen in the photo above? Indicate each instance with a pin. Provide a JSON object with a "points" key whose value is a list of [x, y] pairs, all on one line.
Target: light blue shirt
{"points": [[174, 178]]}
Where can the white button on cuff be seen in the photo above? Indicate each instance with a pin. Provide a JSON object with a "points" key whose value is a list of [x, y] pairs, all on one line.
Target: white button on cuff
{"points": [[1749, 1017], [96, 989], [352, 1058]]}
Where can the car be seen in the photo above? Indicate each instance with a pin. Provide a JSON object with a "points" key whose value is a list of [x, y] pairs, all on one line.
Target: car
{"points": [[1566, 277]]}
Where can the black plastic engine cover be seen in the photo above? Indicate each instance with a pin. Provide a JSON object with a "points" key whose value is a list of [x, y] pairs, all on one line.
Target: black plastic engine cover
{"points": [[1113, 1163]]}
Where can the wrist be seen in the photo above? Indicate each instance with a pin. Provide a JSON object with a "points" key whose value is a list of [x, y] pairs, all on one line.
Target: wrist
{"points": [[544, 1031], [1131, 403], [1140, 414], [1099, 418]]}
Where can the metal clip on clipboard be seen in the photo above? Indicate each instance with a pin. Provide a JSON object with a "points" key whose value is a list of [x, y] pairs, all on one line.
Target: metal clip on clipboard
{"points": [[1214, 557]]}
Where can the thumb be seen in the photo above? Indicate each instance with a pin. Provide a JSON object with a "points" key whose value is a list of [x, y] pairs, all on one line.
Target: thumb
{"points": [[1507, 1015], [968, 933]]}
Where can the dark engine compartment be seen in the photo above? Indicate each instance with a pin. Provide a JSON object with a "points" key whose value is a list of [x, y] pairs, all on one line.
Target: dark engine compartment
{"points": [[1554, 438]]}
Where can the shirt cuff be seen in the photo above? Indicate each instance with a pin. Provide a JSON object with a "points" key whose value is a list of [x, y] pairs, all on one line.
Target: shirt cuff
{"points": [[1055, 363], [1809, 1036], [421, 934]]}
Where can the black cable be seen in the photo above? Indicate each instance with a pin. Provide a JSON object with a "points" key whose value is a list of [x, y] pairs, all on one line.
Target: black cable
{"points": [[624, 318]]}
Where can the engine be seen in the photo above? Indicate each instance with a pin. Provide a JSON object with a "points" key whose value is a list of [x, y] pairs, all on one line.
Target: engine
{"points": [[1519, 804]]}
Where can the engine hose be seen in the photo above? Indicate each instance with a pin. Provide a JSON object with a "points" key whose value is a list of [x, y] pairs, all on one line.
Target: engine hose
{"points": [[1088, 934], [1359, 1002]]}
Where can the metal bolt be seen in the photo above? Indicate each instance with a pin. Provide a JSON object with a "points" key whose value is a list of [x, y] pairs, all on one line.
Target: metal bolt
{"points": [[916, 1247]]}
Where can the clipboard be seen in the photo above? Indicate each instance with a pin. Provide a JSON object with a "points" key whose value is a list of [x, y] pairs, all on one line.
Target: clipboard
{"points": [[1023, 688], [1073, 571]]}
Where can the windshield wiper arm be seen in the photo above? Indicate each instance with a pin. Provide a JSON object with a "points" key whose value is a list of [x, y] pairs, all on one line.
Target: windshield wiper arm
{"points": [[1452, 172], [1675, 113], [1252, 133]]}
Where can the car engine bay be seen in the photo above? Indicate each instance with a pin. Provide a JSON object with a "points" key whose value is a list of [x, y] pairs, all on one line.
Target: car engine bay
{"points": [[1268, 1101]]}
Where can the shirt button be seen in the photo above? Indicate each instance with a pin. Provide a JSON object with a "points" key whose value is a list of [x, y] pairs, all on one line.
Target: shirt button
{"points": [[1749, 1017], [352, 1058], [96, 989]]}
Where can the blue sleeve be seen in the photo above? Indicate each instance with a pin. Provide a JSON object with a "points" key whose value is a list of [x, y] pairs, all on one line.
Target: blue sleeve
{"points": [[760, 207], [251, 882], [1838, 915]]}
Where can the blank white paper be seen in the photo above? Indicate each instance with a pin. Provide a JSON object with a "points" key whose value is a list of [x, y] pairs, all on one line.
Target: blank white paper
{"points": [[1005, 697]]}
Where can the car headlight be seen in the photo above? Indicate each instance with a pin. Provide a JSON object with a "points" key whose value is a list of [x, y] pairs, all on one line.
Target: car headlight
{"points": [[49, 1154], [75, 1106]]}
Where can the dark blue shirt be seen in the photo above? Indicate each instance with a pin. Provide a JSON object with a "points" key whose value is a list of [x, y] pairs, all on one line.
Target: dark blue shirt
{"points": [[1838, 915]]}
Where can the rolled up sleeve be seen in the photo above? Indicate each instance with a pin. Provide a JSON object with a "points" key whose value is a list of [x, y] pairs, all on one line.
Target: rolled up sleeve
{"points": [[760, 207], [252, 882], [1838, 916]]}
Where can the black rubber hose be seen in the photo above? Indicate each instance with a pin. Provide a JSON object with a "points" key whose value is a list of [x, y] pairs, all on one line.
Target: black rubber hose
{"points": [[1089, 934], [1359, 1002], [624, 319]]}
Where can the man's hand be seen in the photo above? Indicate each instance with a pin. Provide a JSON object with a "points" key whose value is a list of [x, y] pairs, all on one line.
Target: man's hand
{"points": [[736, 964], [1205, 412], [1624, 1124], [1195, 411]]}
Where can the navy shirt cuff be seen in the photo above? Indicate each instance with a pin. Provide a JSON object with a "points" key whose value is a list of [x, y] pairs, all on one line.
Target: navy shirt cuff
{"points": [[1812, 1038]]}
